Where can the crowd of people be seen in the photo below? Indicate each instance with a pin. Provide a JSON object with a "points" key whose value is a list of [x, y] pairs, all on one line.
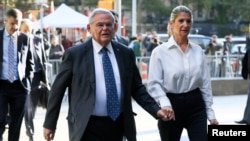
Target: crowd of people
{"points": [[94, 69]]}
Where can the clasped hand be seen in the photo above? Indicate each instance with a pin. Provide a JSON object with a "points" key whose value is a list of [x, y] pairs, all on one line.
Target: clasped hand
{"points": [[48, 134], [166, 113]]}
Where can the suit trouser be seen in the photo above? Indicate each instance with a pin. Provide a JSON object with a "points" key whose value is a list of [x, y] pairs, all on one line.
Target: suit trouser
{"points": [[31, 105], [190, 113], [12, 101], [103, 129], [246, 116]]}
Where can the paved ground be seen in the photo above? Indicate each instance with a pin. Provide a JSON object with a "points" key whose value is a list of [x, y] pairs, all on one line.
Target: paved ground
{"points": [[227, 108]]}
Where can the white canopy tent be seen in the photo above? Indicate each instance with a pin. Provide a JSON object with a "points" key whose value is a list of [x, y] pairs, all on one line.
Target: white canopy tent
{"points": [[63, 17]]}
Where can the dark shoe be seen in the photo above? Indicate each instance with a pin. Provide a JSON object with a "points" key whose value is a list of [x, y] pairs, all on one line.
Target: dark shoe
{"points": [[31, 138], [241, 122]]}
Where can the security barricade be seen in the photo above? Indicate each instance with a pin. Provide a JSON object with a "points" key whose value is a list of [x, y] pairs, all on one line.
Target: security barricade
{"points": [[220, 66]]}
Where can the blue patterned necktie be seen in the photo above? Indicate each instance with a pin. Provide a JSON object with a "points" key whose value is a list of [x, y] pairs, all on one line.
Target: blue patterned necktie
{"points": [[113, 106], [11, 56]]}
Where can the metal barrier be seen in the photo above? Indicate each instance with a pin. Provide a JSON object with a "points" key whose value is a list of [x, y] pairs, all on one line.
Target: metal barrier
{"points": [[49, 73], [225, 66], [53, 70], [221, 66]]}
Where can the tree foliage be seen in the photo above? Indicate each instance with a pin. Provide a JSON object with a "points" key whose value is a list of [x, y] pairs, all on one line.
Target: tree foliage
{"points": [[9, 3], [225, 10]]}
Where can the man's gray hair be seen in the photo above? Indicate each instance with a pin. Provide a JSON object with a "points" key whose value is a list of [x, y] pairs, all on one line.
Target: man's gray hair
{"points": [[97, 11]]}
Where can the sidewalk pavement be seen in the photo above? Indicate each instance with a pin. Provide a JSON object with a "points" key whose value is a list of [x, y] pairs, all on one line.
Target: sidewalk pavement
{"points": [[227, 109]]}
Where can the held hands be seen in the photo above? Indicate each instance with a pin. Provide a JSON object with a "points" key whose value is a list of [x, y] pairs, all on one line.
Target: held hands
{"points": [[166, 113], [213, 122], [48, 134]]}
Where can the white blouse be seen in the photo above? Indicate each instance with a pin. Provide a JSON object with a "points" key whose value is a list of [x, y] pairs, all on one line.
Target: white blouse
{"points": [[173, 71]]}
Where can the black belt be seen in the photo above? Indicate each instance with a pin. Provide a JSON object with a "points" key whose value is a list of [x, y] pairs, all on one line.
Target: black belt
{"points": [[197, 90], [95, 117], [99, 117]]}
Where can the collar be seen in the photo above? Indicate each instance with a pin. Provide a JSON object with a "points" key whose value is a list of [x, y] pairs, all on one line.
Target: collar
{"points": [[98, 47], [172, 43], [7, 34]]}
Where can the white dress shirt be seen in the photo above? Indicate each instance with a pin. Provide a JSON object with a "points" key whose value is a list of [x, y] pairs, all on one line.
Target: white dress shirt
{"points": [[101, 100], [173, 71], [6, 40]]}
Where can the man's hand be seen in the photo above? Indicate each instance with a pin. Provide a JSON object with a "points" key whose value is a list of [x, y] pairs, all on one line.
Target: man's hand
{"points": [[166, 113], [48, 134]]}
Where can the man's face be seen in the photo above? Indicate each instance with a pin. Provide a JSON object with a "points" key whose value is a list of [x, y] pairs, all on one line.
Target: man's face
{"points": [[102, 28], [12, 24], [84, 34]]}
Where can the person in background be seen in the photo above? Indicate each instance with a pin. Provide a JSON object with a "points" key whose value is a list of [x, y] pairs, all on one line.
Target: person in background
{"points": [[39, 76], [177, 85], [137, 46], [56, 50], [150, 43], [228, 45], [213, 46], [155, 35], [117, 37], [245, 72], [66, 43], [16, 73], [55, 53], [84, 36], [226, 50], [248, 41], [82, 72], [146, 40], [46, 42], [212, 50]]}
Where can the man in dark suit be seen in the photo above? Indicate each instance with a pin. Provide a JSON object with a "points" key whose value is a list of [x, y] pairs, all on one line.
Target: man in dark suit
{"points": [[248, 41], [83, 36], [16, 71], [117, 37], [82, 72], [245, 72], [39, 78]]}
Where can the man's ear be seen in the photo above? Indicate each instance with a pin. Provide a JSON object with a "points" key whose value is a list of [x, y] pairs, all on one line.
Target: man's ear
{"points": [[88, 28], [116, 26]]}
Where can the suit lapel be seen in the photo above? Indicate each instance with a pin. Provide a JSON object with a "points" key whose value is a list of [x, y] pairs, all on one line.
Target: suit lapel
{"points": [[88, 54], [19, 41], [120, 61], [20, 45], [37, 50]]}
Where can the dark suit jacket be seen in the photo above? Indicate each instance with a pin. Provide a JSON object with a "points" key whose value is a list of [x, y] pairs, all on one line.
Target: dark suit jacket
{"points": [[77, 71], [38, 48], [245, 71], [25, 59], [121, 39]]}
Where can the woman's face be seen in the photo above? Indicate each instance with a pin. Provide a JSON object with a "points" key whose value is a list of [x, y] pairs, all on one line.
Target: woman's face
{"points": [[54, 41], [182, 24]]}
